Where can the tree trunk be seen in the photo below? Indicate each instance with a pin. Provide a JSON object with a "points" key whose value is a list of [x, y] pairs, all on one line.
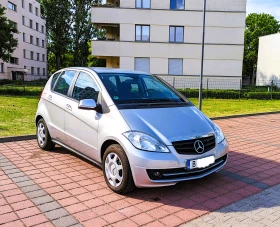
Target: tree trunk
{"points": [[57, 61]]}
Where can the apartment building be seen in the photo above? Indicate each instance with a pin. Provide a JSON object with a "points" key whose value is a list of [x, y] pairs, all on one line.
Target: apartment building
{"points": [[163, 37], [28, 61], [268, 68]]}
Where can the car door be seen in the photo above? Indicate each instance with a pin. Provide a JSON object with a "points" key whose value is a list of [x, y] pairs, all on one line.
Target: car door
{"points": [[55, 105], [81, 126]]}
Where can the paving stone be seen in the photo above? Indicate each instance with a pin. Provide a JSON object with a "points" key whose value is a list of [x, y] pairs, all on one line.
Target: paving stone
{"points": [[42, 200], [65, 221], [16, 175], [49, 206], [21, 179], [35, 194], [55, 214], [30, 188], [25, 183]]}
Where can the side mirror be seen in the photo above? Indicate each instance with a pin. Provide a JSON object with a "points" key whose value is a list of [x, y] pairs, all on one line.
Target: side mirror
{"points": [[89, 104]]}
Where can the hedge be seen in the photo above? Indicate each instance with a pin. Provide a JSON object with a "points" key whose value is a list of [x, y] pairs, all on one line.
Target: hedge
{"points": [[263, 95]]}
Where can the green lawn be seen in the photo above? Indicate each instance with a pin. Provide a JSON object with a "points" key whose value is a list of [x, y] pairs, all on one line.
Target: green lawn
{"points": [[17, 113]]}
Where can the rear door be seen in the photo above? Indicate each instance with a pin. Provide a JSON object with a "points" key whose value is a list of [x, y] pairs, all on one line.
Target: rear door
{"points": [[56, 99], [81, 126]]}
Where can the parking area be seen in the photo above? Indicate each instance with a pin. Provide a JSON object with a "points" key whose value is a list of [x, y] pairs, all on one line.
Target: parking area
{"points": [[57, 188]]}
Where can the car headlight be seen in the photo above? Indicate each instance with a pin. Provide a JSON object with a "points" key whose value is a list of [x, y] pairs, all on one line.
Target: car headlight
{"points": [[145, 142], [219, 134]]}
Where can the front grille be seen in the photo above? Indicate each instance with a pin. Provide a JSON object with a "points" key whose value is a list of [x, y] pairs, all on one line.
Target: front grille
{"points": [[179, 173], [187, 146]]}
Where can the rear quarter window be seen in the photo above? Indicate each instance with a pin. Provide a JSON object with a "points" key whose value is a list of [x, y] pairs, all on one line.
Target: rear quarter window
{"points": [[54, 78]]}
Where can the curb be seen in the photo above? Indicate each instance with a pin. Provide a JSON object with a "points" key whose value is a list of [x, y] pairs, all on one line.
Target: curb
{"points": [[32, 137], [17, 138], [244, 115]]}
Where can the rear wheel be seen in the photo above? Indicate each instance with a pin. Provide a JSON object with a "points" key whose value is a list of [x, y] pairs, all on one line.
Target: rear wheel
{"points": [[43, 137], [116, 170]]}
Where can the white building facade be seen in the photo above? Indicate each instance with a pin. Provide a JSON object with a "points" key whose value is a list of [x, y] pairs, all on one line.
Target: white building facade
{"points": [[28, 61], [163, 37], [268, 68]]}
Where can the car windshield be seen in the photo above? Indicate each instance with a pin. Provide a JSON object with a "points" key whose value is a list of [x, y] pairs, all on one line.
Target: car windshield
{"points": [[129, 88]]}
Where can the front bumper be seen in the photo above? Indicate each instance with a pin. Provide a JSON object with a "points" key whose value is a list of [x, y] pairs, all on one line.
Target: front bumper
{"points": [[171, 166]]}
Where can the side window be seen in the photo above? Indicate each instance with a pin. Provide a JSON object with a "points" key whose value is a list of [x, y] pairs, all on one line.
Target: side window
{"points": [[54, 78], [85, 88], [64, 82]]}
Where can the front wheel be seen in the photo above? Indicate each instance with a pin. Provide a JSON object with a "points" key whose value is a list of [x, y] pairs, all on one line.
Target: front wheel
{"points": [[116, 170], [43, 137]]}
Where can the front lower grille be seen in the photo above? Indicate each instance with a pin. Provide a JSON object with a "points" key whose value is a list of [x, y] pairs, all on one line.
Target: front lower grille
{"points": [[179, 173], [187, 146]]}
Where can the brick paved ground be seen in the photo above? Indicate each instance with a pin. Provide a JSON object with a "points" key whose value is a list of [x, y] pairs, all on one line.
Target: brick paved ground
{"points": [[56, 188], [262, 209]]}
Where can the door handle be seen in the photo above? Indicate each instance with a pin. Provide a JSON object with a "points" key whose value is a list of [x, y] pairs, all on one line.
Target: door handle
{"points": [[49, 97], [68, 107]]}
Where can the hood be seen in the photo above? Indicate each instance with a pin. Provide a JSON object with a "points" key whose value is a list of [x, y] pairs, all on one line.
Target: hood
{"points": [[168, 124]]}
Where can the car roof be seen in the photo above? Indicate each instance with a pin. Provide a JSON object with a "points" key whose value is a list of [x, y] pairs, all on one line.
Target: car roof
{"points": [[108, 70]]}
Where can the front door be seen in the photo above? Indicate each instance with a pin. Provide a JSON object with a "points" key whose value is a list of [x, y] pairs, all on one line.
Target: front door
{"points": [[81, 126]]}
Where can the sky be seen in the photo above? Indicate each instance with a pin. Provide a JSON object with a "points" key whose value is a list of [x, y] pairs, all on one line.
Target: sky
{"points": [[267, 6]]}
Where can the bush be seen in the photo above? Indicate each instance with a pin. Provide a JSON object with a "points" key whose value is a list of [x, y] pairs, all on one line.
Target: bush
{"points": [[263, 95], [214, 94], [5, 81]]}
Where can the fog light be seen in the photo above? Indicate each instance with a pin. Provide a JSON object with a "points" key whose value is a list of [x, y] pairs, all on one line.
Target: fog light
{"points": [[157, 174]]}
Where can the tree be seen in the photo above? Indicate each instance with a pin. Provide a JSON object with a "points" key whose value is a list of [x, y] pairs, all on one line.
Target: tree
{"points": [[257, 25], [7, 41], [82, 31], [58, 16]]}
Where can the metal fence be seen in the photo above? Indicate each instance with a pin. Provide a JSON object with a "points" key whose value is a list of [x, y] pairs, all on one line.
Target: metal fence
{"points": [[226, 87], [229, 88]]}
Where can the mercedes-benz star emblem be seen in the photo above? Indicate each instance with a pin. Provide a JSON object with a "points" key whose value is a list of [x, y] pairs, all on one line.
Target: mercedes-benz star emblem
{"points": [[198, 146]]}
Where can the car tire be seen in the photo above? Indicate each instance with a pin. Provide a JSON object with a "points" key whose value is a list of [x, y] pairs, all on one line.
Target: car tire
{"points": [[116, 170], [43, 136]]}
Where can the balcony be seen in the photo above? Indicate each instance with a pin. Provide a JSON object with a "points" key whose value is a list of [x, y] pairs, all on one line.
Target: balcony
{"points": [[107, 4], [109, 32]]}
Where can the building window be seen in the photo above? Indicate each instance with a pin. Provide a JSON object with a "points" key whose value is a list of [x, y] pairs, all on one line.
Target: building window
{"points": [[23, 20], [145, 4], [31, 55], [38, 71], [15, 24], [142, 64], [22, 3], [24, 53], [37, 26], [175, 66], [37, 41], [12, 6], [177, 4], [44, 71], [43, 57], [42, 29], [30, 23], [142, 33], [23, 37], [2, 67], [38, 57], [30, 7], [43, 43], [32, 70], [31, 39], [14, 60], [176, 34], [36, 11]]}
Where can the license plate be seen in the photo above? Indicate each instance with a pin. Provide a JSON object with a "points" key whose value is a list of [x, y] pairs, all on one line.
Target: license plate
{"points": [[200, 163]]}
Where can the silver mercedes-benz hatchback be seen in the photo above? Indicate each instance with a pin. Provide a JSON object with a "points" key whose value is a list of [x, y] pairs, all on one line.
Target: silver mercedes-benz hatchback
{"points": [[139, 129]]}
